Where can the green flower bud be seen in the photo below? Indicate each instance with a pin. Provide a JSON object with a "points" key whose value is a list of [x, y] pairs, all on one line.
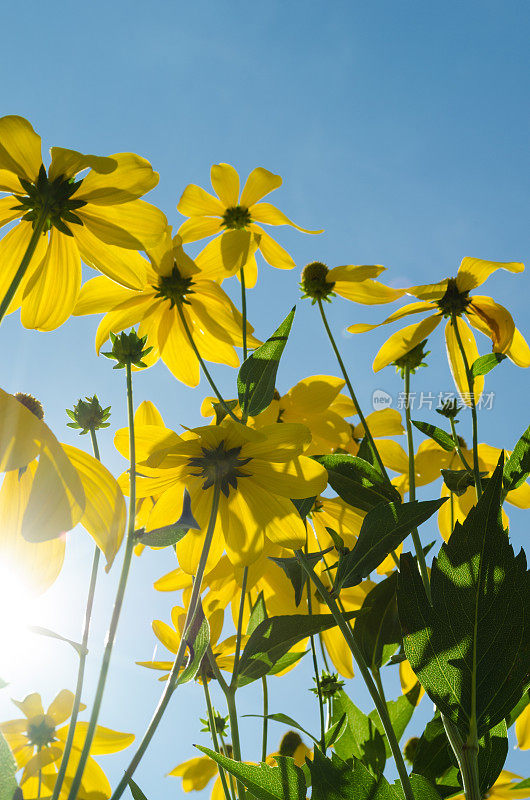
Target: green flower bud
{"points": [[220, 723], [329, 685], [88, 415], [314, 283], [413, 359], [128, 349]]}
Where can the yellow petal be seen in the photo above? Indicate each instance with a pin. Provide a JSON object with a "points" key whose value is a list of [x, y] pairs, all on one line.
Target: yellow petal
{"points": [[196, 228], [105, 513], [408, 679], [9, 182], [127, 267], [148, 414], [51, 293], [20, 147], [67, 163], [520, 497], [99, 295], [270, 215], [105, 740], [195, 773], [411, 308], [225, 182], [401, 342], [126, 314], [299, 478], [456, 361], [167, 635], [225, 255], [12, 249], [175, 349], [386, 422], [339, 652], [393, 455], [22, 434], [472, 272], [314, 394], [279, 442], [174, 581], [522, 729], [274, 515], [61, 708], [367, 292], [7, 213], [43, 758], [429, 291], [259, 183], [518, 351], [494, 320], [197, 202], [132, 177], [273, 253], [136, 225], [31, 706], [251, 272]]}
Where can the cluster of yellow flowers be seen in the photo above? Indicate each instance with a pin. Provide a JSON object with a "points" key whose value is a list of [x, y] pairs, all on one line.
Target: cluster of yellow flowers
{"points": [[241, 472]]}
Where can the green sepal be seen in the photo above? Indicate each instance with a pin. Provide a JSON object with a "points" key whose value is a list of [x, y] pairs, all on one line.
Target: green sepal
{"points": [[356, 481], [295, 574]]}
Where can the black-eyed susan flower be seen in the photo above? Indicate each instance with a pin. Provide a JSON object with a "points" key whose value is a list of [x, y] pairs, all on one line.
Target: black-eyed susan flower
{"points": [[98, 219], [37, 742], [232, 218], [352, 282], [47, 489], [450, 299], [173, 295], [257, 472]]}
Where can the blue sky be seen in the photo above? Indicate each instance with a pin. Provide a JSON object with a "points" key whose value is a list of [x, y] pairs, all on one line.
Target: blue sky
{"points": [[401, 128]]}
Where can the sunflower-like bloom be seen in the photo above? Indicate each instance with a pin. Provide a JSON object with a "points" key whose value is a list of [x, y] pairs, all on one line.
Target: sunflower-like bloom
{"points": [[234, 217], [37, 742], [257, 471], [98, 219], [451, 298], [352, 282], [172, 294], [47, 489]]}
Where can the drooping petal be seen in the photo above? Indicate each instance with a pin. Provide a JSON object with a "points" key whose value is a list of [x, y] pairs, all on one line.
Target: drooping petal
{"points": [[105, 513], [472, 272], [314, 394], [386, 422], [225, 255], [20, 147], [242, 526], [105, 740], [519, 351], [21, 433], [225, 182], [51, 293], [127, 267], [273, 253], [259, 183], [520, 497], [339, 652], [492, 319], [392, 455], [196, 228], [195, 773], [174, 581], [367, 292], [197, 202], [167, 635], [411, 308], [132, 178], [456, 361], [136, 225], [270, 215], [354, 272], [401, 342], [408, 679], [43, 758]]}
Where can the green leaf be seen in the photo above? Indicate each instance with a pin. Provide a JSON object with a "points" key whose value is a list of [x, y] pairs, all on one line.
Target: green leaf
{"points": [[492, 753], [400, 712], [257, 376], [518, 708], [335, 730], [383, 529], [8, 769], [361, 737], [220, 409], [257, 615], [440, 436], [78, 647], [522, 784], [274, 637], [335, 779], [162, 537], [285, 720], [377, 630], [357, 482], [197, 636], [517, 468], [136, 791], [433, 757], [474, 639], [304, 506], [295, 573], [459, 480], [422, 789], [284, 782], [485, 364]]}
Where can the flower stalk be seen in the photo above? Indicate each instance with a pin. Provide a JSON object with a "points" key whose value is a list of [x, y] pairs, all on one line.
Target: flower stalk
{"points": [[38, 230]]}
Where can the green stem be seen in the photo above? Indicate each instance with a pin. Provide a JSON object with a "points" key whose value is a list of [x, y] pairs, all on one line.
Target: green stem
{"points": [[243, 312], [120, 593], [315, 670], [39, 788], [467, 757], [365, 672], [203, 365], [265, 720], [171, 683], [420, 555], [470, 383], [226, 752], [213, 731], [458, 449], [82, 656], [239, 632], [38, 230], [234, 728]]}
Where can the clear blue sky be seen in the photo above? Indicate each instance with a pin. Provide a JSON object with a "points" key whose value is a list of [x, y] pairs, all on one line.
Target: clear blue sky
{"points": [[399, 126]]}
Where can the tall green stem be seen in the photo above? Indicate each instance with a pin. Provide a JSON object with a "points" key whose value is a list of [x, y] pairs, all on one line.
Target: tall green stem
{"points": [[234, 728], [470, 383], [315, 670], [120, 593], [243, 311], [171, 683], [213, 731], [458, 449], [365, 672], [239, 631], [265, 728], [420, 555], [38, 230]]}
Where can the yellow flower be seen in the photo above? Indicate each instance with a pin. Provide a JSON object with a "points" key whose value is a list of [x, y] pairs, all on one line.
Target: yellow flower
{"points": [[172, 293], [503, 788], [349, 281], [234, 216], [37, 743], [522, 729], [98, 219], [47, 489], [408, 680], [451, 297]]}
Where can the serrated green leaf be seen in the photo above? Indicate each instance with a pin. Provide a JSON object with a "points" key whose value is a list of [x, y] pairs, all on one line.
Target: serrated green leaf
{"points": [[257, 615], [333, 733], [382, 530], [357, 482], [485, 364], [8, 769], [257, 375], [459, 480], [480, 609], [377, 630], [284, 782], [275, 636], [400, 712], [162, 537], [492, 753], [295, 574], [517, 468], [136, 791], [440, 436], [197, 636], [361, 737], [335, 779]]}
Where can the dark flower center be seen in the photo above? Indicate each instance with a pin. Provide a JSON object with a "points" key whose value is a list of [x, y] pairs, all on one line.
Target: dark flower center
{"points": [[220, 466], [40, 732], [31, 403], [236, 218], [53, 198], [314, 283], [174, 287], [454, 302]]}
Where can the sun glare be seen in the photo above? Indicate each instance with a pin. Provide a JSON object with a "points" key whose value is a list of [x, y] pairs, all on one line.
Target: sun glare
{"points": [[17, 611]]}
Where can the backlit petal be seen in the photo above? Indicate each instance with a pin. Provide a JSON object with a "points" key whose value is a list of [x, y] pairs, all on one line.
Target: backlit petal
{"points": [[268, 214], [429, 291], [136, 225], [522, 729], [99, 295], [367, 292], [197, 228], [456, 361], [225, 182], [175, 350], [225, 255], [67, 163], [519, 351], [197, 202], [20, 147], [259, 183], [12, 248], [61, 708], [31, 706], [9, 182], [148, 414], [299, 478], [132, 178], [495, 320], [126, 314], [127, 267], [472, 272], [7, 214], [411, 308], [401, 342], [167, 635], [273, 253]]}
